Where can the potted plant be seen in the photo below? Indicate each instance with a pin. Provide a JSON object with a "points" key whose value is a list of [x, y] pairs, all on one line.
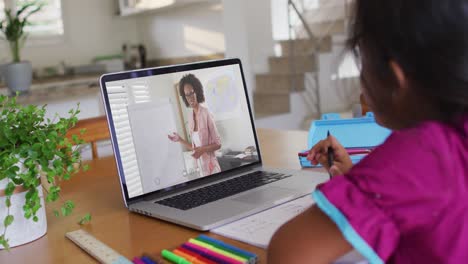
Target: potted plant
{"points": [[32, 145], [18, 74]]}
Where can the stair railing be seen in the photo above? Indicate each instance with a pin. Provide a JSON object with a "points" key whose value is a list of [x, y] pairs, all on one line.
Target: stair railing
{"points": [[313, 82]]}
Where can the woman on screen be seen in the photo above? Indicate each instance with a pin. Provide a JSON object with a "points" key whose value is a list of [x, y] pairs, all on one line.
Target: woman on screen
{"points": [[203, 131]]}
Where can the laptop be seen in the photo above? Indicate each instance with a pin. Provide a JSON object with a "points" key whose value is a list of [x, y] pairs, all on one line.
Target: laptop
{"points": [[186, 149]]}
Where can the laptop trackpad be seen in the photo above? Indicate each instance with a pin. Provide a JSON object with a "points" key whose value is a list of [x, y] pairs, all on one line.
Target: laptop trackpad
{"points": [[263, 196]]}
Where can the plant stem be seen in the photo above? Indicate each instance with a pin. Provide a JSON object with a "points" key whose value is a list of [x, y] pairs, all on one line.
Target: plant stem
{"points": [[14, 46]]}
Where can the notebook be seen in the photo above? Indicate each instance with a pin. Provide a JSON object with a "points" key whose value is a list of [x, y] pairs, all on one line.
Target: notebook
{"points": [[258, 229]]}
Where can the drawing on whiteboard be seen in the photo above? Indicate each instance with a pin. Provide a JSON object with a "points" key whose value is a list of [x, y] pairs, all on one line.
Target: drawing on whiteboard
{"points": [[222, 95], [161, 163]]}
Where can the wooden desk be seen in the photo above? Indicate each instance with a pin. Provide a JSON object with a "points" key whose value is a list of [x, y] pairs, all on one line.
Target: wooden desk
{"points": [[98, 192]]}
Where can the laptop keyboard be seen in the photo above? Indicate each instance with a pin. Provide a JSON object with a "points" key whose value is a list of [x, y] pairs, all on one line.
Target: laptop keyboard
{"points": [[211, 193]]}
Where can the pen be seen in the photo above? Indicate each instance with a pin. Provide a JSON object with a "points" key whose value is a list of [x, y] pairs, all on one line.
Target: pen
{"points": [[329, 155], [173, 258], [350, 151]]}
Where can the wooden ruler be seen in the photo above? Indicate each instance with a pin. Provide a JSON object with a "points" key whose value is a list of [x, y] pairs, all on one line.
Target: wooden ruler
{"points": [[100, 251]]}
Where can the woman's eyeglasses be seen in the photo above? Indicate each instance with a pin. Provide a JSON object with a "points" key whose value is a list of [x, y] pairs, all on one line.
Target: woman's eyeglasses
{"points": [[190, 94]]}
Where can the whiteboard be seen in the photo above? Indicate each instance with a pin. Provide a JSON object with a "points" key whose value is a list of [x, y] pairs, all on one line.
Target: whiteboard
{"points": [[161, 161]]}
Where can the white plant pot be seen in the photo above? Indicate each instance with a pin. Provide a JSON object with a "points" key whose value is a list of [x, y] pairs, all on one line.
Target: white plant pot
{"points": [[18, 76], [22, 230]]}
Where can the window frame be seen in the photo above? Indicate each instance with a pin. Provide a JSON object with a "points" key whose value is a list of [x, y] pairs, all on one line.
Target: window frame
{"points": [[36, 40]]}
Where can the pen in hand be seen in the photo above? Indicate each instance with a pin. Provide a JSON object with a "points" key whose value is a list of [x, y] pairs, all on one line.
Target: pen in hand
{"points": [[330, 156]]}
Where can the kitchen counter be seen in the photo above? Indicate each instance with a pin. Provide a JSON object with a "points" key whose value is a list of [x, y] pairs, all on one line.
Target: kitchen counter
{"points": [[57, 88]]}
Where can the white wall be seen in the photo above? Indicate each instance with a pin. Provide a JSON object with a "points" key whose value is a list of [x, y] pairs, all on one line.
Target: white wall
{"points": [[248, 33], [91, 28], [191, 30]]}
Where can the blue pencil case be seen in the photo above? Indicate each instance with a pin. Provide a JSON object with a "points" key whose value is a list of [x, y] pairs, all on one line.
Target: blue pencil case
{"points": [[361, 132]]}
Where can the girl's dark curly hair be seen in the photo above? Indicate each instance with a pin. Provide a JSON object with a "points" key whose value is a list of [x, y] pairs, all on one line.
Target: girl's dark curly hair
{"points": [[428, 39]]}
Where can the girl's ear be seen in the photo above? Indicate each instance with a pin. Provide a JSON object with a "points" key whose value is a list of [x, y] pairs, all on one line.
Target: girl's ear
{"points": [[402, 81]]}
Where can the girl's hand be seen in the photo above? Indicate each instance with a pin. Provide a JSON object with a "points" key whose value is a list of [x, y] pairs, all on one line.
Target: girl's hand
{"points": [[174, 137], [341, 160], [197, 152]]}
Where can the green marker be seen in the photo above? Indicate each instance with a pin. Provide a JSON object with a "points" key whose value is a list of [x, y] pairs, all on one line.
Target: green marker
{"points": [[174, 258]]}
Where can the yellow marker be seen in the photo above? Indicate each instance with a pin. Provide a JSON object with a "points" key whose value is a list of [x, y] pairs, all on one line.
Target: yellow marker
{"points": [[219, 251]]}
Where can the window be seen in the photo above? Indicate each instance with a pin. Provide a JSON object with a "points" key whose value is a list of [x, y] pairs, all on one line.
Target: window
{"points": [[47, 22], [2, 7]]}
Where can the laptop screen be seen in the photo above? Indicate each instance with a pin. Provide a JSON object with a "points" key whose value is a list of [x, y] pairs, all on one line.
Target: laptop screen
{"points": [[179, 124]]}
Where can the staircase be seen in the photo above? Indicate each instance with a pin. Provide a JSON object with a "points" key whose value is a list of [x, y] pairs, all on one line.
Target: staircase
{"points": [[292, 74]]}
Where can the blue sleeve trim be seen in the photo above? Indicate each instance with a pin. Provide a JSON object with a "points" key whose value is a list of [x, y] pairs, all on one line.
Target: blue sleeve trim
{"points": [[346, 229]]}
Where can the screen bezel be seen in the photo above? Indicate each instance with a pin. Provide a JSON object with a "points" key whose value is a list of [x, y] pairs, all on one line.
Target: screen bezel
{"points": [[127, 75]]}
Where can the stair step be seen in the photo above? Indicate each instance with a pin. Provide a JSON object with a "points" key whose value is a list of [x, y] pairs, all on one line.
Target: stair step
{"points": [[271, 104], [323, 29], [330, 3], [326, 13], [302, 64], [279, 83], [305, 46]]}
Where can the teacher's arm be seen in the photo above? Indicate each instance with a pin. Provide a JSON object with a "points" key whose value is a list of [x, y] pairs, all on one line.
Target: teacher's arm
{"points": [[205, 149], [174, 137]]}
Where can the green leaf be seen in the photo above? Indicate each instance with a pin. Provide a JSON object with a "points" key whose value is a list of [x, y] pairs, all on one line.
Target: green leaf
{"points": [[8, 202], [9, 189], [69, 204], [56, 213], [67, 208], [85, 219], [85, 167], [4, 242], [8, 220], [65, 211], [35, 218], [27, 213]]}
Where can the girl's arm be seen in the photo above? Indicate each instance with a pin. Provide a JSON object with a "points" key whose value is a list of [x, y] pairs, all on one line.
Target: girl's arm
{"points": [[310, 237]]}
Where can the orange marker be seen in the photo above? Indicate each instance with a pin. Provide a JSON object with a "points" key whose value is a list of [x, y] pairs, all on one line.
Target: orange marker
{"points": [[195, 255], [192, 259]]}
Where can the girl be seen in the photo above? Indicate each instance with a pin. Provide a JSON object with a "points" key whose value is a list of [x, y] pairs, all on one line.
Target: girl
{"points": [[406, 201]]}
